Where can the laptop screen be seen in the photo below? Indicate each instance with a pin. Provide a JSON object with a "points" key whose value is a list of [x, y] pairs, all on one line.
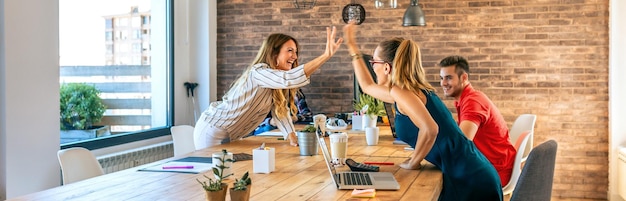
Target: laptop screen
{"points": [[327, 157], [391, 115]]}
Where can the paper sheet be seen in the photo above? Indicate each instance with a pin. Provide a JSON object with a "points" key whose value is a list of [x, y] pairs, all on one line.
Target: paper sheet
{"points": [[200, 164], [271, 133]]}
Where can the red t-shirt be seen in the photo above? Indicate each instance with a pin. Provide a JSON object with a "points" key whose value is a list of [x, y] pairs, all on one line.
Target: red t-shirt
{"points": [[492, 137]]}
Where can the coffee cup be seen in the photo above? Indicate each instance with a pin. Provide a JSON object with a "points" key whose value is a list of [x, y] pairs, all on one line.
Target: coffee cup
{"points": [[372, 135]]}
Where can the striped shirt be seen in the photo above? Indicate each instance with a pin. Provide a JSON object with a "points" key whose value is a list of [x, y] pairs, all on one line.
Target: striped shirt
{"points": [[243, 110]]}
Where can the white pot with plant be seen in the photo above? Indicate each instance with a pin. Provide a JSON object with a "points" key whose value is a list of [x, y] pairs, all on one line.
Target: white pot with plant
{"points": [[215, 190], [371, 108]]}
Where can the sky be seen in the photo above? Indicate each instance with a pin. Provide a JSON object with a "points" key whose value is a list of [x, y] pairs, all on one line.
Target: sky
{"points": [[81, 28]]}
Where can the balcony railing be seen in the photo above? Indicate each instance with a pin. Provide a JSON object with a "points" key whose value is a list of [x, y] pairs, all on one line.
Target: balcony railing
{"points": [[126, 91]]}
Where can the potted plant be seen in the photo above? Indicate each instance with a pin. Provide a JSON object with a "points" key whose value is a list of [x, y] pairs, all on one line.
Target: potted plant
{"points": [[307, 141], [371, 107], [81, 108], [241, 189], [216, 189]]}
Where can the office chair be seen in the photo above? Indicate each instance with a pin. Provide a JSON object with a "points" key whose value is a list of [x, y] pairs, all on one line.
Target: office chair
{"points": [[535, 181], [524, 122], [77, 164], [182, 136], [517, 165]]}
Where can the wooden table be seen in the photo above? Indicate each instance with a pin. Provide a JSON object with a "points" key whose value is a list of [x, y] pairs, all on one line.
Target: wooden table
{"points": [[295, 178]]}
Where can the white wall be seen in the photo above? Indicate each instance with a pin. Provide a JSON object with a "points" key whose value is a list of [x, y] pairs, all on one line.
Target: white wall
{"points": [[30, 96], [29, 83], [617, 90], [196, 36]]}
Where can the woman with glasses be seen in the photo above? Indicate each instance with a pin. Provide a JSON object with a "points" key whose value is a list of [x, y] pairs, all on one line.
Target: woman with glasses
{"points": [[422, 120]]}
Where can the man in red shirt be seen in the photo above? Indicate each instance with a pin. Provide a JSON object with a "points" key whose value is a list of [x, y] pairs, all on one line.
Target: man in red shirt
{"points": [[479, 119]]}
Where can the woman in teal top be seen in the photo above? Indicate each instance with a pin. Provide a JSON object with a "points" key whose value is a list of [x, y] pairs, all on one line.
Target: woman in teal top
{"points": [[423, 121], [467, 174]]}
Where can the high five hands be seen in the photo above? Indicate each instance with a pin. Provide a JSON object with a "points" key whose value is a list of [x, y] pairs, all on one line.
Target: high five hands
{"points": [[331, 44]]}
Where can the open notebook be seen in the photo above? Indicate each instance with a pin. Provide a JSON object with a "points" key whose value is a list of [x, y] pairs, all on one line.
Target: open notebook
{"points": [[357, 180]]}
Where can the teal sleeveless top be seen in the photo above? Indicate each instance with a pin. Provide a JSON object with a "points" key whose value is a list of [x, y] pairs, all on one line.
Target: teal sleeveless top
{"points": [[467, 174]]}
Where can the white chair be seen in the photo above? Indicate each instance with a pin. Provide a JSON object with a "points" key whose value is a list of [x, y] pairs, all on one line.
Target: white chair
{"points": [[524, 122], [182, 136], [521, 142], [77, 164]]}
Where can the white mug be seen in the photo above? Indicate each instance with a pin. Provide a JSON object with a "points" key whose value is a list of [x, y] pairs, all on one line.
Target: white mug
{"points": [[216, 162], [371, 135]]}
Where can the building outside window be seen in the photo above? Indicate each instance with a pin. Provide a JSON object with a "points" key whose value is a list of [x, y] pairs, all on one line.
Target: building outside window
{"points": [[134, 85]]}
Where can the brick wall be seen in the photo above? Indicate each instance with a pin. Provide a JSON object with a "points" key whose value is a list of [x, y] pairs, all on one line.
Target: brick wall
{"points": [[546, 57]]}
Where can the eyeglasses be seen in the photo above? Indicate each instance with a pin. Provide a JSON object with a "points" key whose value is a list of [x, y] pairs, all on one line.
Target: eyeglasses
{"points": [[372, 62]]}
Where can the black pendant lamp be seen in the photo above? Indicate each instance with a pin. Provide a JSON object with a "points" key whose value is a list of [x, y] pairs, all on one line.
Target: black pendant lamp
{"points": [[353, 12], [414, 15]]}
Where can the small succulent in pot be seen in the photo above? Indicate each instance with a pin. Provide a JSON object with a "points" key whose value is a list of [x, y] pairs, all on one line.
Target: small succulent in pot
{"points": [[308, 129], [242, 184]]}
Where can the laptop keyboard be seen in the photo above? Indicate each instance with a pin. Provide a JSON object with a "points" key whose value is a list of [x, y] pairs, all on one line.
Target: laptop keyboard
{"points": [[356, 178]]}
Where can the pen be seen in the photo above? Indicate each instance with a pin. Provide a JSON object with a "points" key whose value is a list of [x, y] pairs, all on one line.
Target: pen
{"points": [[179, 167], [378, 163]]}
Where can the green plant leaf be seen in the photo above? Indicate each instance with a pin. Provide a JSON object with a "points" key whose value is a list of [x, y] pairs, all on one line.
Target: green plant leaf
{"points": [[375, 106], [81, 106]]}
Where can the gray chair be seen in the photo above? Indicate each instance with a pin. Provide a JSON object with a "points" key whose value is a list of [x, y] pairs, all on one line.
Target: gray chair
{"points": [[535, 181]]}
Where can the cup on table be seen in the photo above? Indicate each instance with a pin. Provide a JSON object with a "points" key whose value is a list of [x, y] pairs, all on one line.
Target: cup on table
{"points": [[338, 147], [371, 135], [319, 121], [216, 162]]}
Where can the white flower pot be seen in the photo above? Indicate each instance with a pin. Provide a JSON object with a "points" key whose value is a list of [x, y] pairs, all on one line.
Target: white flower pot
{"points": [[369, 121]]}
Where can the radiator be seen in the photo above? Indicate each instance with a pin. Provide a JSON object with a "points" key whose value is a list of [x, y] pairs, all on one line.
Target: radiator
{"points": [[136, 157]]}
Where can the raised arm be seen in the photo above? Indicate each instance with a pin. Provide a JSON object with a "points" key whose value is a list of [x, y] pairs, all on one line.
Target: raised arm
{"points": [[331, 48], [360, 68]]}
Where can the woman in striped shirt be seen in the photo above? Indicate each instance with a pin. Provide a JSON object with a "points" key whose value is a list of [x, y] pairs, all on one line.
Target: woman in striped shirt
{"points": [[268, 85]]}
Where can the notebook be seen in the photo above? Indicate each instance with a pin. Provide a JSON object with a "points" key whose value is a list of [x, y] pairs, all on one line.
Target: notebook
{"points": [[357, 180]]}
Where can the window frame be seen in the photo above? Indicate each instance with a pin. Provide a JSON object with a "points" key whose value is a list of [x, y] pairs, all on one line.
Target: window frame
{"points": [[129, 137]]}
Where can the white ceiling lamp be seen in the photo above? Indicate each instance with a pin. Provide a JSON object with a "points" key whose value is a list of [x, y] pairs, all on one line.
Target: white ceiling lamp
{"points": [[386, 4]]}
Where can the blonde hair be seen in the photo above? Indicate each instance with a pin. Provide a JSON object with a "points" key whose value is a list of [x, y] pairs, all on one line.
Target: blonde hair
{"points": [[267, 54], [406, 64]]}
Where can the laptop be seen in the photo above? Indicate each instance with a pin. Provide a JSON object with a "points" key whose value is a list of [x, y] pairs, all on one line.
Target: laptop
{"points": [[357, 180], [391, 116]]}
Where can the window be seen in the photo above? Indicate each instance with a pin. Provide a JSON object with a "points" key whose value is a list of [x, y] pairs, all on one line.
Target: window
{"points": [[108, 23], [146, 20], [137, 48], [135, 88], [136, 34], [108, 36]]}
